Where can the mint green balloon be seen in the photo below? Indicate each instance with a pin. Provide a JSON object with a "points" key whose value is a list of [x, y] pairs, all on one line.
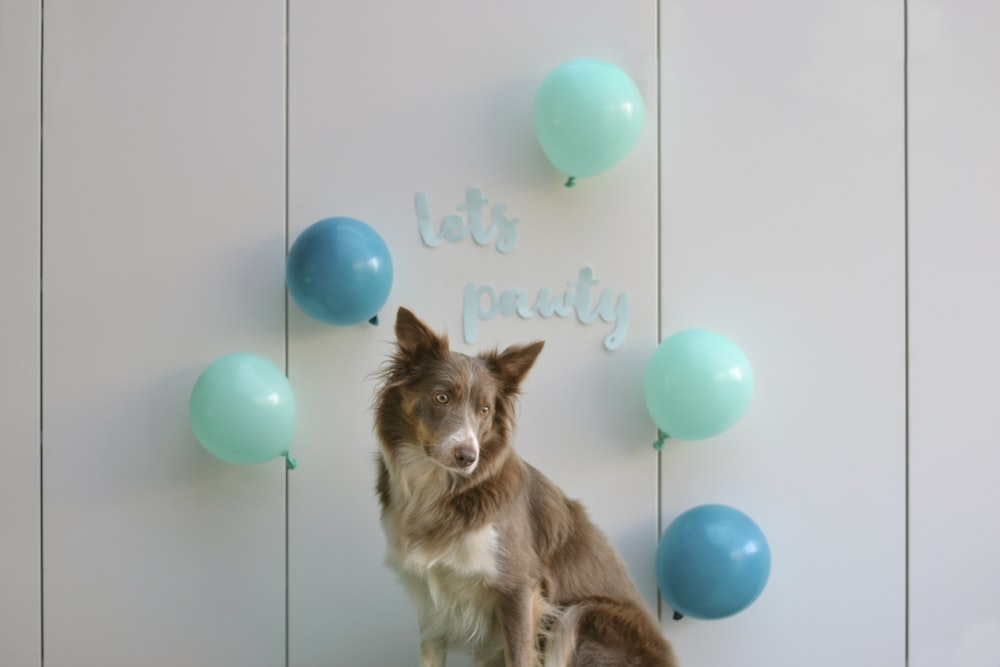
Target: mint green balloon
{"points": [[588, 116], [697, 385], [242, 410]]}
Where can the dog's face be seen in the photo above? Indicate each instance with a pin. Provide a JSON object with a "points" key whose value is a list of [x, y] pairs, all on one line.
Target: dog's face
{"points": [[451, 408]]}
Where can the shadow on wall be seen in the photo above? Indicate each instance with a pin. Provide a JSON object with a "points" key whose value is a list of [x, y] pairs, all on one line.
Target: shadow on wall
{"points": [[508, 124]]}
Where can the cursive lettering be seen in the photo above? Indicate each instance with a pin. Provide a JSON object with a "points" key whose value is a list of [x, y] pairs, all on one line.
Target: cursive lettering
{"points": [[454, 228], [484, 302]]}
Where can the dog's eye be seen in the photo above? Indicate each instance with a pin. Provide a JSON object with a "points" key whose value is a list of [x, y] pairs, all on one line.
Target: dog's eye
{"points": [[441, 397], [485, 410]]}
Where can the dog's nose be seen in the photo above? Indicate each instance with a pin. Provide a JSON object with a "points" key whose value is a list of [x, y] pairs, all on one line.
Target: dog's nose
{"points": [[465, 456]]}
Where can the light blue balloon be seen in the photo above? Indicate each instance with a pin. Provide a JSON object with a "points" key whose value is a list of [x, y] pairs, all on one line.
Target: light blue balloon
{"points": [[243, 410], [697, 384], [713, 561], [588, 116], [339, 271]]}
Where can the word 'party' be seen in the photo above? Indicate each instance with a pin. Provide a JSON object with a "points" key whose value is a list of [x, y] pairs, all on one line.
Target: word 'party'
{"points": [[484, 302]]}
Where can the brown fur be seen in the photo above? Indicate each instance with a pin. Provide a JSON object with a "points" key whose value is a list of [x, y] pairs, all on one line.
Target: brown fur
{"points": [[498, 560]]}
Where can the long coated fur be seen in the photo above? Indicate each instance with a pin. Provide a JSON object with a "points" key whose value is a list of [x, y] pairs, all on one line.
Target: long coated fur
{"points": [[498, 561]]}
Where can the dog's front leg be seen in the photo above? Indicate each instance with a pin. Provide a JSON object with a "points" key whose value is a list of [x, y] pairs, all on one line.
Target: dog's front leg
{"points": [[432, 653], [517, 622]]}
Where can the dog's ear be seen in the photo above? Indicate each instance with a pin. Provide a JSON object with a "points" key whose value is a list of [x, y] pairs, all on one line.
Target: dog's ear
{"points": [[512, 365], [414, 338]]}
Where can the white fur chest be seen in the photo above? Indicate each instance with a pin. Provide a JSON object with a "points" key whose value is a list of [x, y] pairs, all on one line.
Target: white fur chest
{"points": [[473, 555], [450, 586]]}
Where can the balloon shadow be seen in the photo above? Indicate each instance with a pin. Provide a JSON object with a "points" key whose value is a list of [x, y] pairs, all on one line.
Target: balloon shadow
{"points": [[514, 148]]}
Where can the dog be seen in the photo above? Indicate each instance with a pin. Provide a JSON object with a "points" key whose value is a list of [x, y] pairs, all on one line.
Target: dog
{"points": [[498, 561]]}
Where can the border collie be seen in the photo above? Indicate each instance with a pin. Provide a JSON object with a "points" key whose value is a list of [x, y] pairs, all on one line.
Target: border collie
{"points": [[498, 561]]}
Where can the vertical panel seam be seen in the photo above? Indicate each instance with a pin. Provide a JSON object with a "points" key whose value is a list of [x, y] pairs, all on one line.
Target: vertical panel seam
{"points": [[659, 266], [287, 370], [906, 329], [41, 333]]}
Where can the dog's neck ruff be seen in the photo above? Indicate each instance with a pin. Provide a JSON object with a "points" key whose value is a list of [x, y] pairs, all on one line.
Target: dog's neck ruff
{"points": [[414, 475]]}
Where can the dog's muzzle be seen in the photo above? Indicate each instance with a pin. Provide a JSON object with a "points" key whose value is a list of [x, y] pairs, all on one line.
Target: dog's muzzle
{"points": [[465, 457]]}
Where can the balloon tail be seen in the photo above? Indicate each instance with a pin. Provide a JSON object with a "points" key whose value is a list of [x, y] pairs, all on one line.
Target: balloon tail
{"points": [[571, 181], [290, 462], [658, 445], [374, 321], [678, 616]]}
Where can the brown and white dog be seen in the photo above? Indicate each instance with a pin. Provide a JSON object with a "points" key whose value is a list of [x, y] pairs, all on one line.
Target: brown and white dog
{"points": [[497, 560]]}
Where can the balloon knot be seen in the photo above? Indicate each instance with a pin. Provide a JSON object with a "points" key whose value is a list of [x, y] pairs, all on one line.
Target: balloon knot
{"points": [[374, 321], [290, 462], [571, 181], [678, 616], [658, 445]]}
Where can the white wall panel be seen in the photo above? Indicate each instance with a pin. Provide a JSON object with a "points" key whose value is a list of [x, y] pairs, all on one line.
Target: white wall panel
{"points": [[20, 474], [783, 229], [954, 149], [163, 248], [391, 99]]}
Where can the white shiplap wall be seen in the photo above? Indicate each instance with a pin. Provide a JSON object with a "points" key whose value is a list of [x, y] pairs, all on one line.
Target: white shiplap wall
{"points": [[954, 163], [783, 228], [773, 158], [164, 248], [20, 328]]}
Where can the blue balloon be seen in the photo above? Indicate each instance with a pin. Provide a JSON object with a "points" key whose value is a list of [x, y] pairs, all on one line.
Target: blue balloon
{"points": [[713, 561], [339, 271]]}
